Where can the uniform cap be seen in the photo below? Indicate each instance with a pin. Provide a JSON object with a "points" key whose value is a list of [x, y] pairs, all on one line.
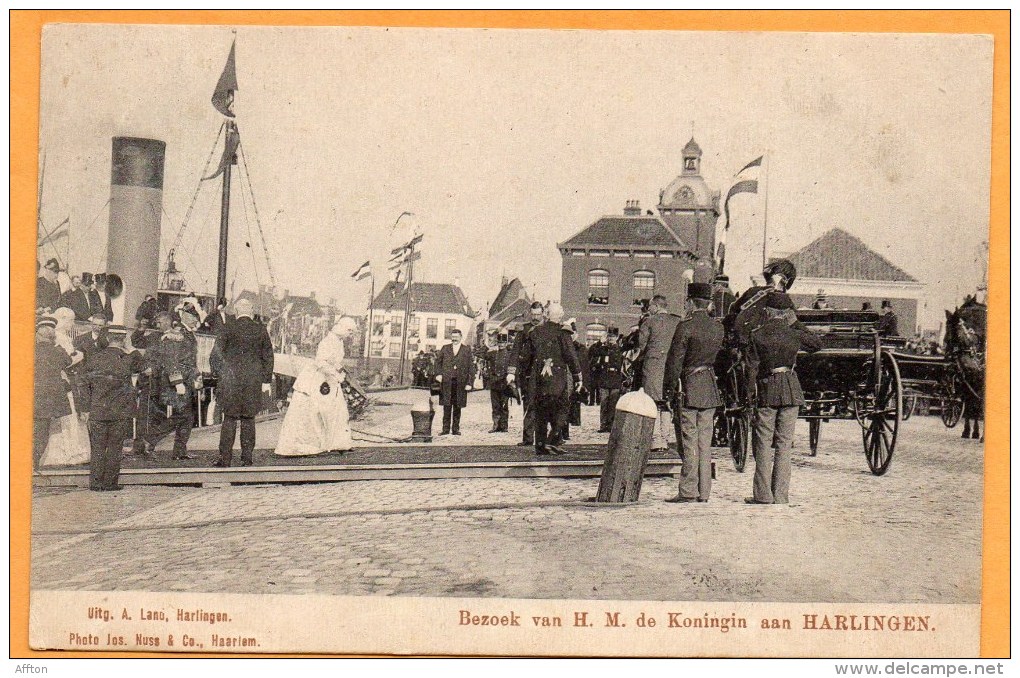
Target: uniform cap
{"points": [[783, 267]]}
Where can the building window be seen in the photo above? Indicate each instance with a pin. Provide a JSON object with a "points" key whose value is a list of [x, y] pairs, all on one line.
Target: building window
{"points": [[598, 253], [449, 325], [595, 332], [598, 287], [377, 328], [431, 328], [645, 255], [395, 349], [377, 348], [644, 286], [396, 328]]}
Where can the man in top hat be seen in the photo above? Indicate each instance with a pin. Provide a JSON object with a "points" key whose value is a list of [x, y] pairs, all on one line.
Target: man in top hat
{"points": [[690, 382], [455, 374], [77, 299], [218, 319], [655, 337], [888, 324], [108, 374], [497, 359], [47, 289], [50, 387], [243, 361], [774, 346], [536, 318], [550, 365], [610, 365]]}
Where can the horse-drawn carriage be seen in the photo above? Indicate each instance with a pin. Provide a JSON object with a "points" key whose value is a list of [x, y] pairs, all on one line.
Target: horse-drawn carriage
{"points": [[857, 375]]}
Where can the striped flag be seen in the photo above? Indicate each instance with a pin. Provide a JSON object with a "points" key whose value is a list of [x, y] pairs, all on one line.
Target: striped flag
{"points": [[364, 271], [742, 186]]}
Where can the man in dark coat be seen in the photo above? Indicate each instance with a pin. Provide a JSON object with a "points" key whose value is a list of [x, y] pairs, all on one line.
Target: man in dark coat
{"points": [[550, 365], [77, 298], [888, 324], [217, 320], [47, 289], [655, 337], [50, 388], [108, 373], [171, 394], [537, 317], [147, 310], [748, 311], [455, 374], [774, 347], [497, 359], [595, 353], [611, 371], [577, 396], [100, 298], [690, 382], [242, 359]]}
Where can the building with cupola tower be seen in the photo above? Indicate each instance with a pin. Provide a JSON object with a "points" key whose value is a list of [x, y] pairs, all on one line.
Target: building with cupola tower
{"points": [[689, 206], [619, 261]]}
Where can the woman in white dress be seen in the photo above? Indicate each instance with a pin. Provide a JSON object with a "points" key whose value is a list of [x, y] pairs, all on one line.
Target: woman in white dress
{"points": [[317, 419], [69, 436]]}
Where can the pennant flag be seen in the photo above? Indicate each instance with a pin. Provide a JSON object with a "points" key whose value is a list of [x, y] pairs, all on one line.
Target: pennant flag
{"points": [[364, 271], [229, 152], [223, 96], [745, 186], [754, 163]]}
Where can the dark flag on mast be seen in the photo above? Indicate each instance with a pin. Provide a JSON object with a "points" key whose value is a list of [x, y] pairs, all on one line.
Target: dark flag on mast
{"points": [[223, 97]]}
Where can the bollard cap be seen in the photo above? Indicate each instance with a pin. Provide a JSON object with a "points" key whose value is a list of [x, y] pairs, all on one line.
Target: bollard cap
{"points": [[638, 402]]}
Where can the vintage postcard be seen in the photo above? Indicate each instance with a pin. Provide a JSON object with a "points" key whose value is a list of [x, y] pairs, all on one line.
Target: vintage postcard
{"points": [[491, 341]]}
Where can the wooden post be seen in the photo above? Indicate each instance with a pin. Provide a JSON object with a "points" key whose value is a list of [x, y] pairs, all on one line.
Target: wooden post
{"points": [[627, 452]]}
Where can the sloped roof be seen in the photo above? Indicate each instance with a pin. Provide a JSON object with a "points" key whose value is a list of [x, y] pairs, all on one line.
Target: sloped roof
{"points": [[840, 255], [302, 305], [624, 231], [425, 298], [519, 308], [508, 295]]}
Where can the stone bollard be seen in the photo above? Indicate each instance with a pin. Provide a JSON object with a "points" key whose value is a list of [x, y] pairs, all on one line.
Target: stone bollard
{"points": [[627, 452], [423, 411]]}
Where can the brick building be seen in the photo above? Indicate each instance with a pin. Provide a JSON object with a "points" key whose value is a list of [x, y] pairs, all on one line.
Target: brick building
{"points": [[618, 261], [849, 273]]}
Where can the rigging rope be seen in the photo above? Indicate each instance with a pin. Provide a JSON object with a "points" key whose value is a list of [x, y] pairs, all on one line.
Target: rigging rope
{"points": [[198, 188], [251, 250], [187, 251], [258, 221]]}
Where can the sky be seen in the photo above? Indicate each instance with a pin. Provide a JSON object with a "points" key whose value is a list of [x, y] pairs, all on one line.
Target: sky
{"points": [[503, 143]]}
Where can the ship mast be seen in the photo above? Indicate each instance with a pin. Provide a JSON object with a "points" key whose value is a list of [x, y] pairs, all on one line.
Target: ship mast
{"points": [[221, 269]]}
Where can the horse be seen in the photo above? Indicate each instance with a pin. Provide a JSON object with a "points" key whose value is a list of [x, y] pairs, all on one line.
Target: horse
{"points": [[965, 344]]}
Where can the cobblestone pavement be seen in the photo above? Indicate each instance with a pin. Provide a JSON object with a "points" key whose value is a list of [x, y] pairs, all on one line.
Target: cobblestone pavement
{"points": [[912, 535]]}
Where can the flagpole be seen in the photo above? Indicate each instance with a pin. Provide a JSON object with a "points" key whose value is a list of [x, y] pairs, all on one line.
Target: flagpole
{"points": [[765, 233], [407, 311]]}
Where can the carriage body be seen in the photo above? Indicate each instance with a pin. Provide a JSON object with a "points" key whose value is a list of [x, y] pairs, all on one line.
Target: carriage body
{"points": [[854, 376]]}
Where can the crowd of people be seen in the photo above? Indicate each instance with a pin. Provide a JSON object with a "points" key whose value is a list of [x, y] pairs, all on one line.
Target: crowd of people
{"points": [[110, 390]]}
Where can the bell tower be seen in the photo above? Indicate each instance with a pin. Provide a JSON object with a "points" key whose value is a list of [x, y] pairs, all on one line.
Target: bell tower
{"points": [[689, 207]]}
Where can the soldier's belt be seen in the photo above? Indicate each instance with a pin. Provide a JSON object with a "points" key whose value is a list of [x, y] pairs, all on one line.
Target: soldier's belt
{"points": [[781, 370], [703, 368]]}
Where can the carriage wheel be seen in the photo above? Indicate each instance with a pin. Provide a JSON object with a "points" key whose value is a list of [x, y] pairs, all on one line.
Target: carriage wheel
{"points": [[739, 430], [814, 432], [882, 420]]}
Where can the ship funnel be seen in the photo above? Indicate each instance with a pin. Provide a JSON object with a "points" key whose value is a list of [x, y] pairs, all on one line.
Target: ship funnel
{"points": [[136, 210]]}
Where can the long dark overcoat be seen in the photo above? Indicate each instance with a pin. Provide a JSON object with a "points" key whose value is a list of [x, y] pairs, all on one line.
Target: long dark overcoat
{"points": [[459, 367], [242, 360]]}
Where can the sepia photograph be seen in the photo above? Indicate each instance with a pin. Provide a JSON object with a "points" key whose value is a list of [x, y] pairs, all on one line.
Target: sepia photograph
{"points": [[490, 341]]}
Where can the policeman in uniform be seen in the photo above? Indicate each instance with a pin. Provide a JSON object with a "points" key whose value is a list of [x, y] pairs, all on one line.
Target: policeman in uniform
{"points": [[655, 337], [595, 353], [774, 347], [497, 359], [888, 324], [108, 375], [691, 387], [610, 366], [550, 364], [514, 366]]}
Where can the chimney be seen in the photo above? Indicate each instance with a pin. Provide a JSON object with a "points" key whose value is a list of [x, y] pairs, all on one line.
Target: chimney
{"points": [[332, 302], [633, 209], [311, 295]]}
